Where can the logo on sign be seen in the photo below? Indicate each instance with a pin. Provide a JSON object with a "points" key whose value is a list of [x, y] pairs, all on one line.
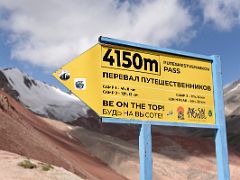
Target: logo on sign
{"points": [[170, 113], [80, 83], [196, 113], [210, 113], [64, 75], [180, 111]]}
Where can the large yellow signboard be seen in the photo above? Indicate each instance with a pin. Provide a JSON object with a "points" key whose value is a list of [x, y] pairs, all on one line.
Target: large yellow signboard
{"points": [[137, 84]]}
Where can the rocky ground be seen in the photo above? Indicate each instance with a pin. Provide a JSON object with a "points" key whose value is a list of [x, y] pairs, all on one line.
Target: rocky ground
{"points": [[10, 170]]}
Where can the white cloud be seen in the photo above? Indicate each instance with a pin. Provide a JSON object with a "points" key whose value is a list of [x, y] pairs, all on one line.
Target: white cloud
{"points": [[49, 33], [225, 14]]}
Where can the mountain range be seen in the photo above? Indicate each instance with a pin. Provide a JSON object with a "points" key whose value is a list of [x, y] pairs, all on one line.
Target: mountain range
{"points": [[41, 98]]}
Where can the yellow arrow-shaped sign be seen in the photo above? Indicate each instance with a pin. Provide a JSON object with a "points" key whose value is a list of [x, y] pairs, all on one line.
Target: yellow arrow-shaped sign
{"points": [[84, 81], [132, 83]]}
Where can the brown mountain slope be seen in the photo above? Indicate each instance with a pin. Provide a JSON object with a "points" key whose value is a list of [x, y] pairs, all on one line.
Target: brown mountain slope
{"points": [[23, 133]]}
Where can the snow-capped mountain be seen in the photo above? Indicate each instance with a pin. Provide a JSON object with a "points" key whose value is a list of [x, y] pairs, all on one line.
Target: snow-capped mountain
{"points": [[232, 98], [40, 97]]}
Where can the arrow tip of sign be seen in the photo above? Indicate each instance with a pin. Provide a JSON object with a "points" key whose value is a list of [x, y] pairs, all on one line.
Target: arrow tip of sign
{"points": [[55, 74]]}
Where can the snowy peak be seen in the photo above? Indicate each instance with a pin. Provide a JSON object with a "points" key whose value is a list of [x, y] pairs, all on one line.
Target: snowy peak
{"points": [[42, 98]]}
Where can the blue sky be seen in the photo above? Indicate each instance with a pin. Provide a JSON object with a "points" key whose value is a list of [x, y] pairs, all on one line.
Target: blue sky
{"points": [[40, 36], [209, 41]]}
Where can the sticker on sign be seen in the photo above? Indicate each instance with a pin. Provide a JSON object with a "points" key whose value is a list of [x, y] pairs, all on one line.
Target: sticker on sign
{"points": [[80, 83]]}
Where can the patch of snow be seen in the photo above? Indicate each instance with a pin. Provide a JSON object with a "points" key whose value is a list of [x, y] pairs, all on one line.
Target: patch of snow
{"points": [[70, 136], [232, 98], [69, 127], [237, 87]]}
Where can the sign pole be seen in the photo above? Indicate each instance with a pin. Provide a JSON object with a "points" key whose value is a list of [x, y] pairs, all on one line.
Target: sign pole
{"points": [[145, 152], [220, 135]]}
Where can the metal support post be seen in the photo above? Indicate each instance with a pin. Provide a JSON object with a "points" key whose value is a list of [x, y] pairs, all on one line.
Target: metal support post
{"points": [[145, 152], [220, 136]]}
